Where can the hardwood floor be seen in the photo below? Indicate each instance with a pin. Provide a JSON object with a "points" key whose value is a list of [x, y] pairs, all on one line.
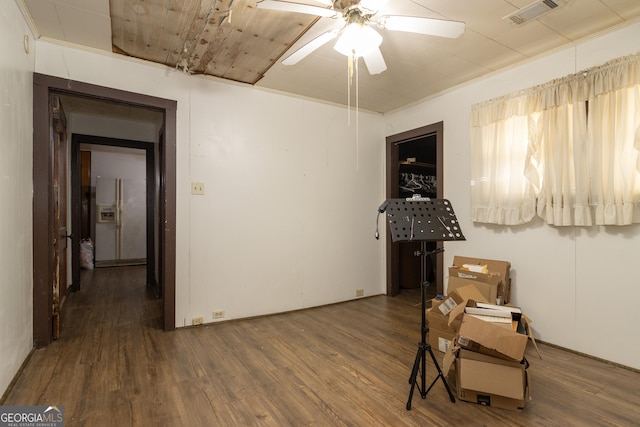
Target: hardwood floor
{"points": [[340, 365]]}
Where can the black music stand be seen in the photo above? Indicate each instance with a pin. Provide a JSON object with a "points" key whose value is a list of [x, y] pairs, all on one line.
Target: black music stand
{"points": [[424, 220]]}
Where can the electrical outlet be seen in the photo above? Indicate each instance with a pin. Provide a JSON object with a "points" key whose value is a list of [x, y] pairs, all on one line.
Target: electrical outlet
{"points": [[197, 321], [197, 188], [359, 292], [218, 314]]}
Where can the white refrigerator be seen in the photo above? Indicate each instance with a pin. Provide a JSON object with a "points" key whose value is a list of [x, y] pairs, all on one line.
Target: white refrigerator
{"points": [[121, 222]]}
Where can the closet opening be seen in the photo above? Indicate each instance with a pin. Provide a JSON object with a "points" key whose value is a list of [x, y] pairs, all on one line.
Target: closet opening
{"points": [[414, 166]]}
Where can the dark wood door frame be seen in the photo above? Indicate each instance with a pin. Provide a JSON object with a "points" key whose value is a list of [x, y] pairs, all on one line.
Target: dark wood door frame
{"points": [[148, 147], [43, 86], [393, 183]]}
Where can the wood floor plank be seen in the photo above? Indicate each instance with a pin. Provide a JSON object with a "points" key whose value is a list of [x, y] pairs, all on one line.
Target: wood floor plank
{"points": [[340, 365]]}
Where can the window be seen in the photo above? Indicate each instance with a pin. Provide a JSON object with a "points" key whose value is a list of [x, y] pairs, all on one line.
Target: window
{"points": [[566, 151]]}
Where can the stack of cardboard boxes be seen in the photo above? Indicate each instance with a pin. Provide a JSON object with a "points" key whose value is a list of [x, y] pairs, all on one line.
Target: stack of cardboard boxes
{"points": [[483, 340]]}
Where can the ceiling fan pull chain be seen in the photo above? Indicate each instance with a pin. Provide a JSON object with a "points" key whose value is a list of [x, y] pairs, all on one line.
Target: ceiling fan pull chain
{"points": [[349, 91], [350, 60], [357, 118]]}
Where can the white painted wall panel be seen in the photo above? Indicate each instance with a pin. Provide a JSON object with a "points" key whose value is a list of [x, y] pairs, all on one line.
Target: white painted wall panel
{"points": [[16, 189], [90, 124]]}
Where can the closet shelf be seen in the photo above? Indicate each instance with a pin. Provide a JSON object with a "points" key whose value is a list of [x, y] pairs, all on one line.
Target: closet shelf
{"points": [[420, 164]]}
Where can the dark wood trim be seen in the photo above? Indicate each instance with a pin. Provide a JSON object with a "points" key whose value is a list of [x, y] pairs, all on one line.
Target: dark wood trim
{"points": [[75, 214], [168, 217], [152, 281], [392, 183], [43, 85], [42, 216]]}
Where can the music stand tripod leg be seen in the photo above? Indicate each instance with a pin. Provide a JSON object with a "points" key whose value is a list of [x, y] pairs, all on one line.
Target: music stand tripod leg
{"points": [[420, 362], [441, 376], [413, 378]]}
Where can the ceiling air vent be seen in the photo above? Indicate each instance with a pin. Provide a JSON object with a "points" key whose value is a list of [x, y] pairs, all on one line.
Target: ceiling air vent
{"points": [[532, 11]]}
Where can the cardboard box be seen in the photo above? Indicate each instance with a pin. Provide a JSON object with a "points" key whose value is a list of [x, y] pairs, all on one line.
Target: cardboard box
{"points": [[491, 381], [486, 338], [488, 290], [453, 305], [501, 268], [437, 320], [506, 316], [460, 273], [444, 315], [441, 332], [495, 268], [440, 340]]}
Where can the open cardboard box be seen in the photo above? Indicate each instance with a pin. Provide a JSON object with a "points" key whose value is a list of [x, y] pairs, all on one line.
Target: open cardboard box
{"points": [[491, 381], [497, 275], [455, 302], [445, 319], [443, 316], [494, 266], [490, 290], [487, 338], [440, 332]]}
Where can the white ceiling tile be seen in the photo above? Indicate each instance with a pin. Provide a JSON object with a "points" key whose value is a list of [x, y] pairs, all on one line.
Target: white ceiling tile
{"points": [[579, 19], [101, 7], [623, 8], [531, 39], [45, 17], [85, 27]]}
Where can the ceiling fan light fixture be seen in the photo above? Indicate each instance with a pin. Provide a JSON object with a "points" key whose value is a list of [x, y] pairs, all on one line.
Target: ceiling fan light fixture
{"points": [[357, 40]]}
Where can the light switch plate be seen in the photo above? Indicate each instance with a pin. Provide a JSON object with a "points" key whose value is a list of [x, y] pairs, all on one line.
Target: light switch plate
{"points": [[197, 188]]}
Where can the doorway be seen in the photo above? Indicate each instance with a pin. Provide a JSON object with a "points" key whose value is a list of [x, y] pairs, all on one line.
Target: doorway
{"points": [[44, 87], [91, 157], [414, 166]]}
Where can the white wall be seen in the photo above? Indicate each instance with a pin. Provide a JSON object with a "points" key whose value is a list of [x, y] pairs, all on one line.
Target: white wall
{"points": [[16, 188], [578, 285], [117, 162], [91, 124], [287, 218]]}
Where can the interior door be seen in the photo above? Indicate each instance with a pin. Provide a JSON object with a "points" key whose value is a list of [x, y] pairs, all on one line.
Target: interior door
{"points": [[59, 232]]}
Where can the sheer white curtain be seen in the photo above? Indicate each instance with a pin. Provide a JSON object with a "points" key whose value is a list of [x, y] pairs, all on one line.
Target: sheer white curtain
{"points": [[500, 139], [566, 150], [613, 142], [563, 197]]}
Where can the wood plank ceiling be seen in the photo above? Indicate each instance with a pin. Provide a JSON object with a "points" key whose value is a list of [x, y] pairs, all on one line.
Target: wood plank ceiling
{"points": [[221, 38]]}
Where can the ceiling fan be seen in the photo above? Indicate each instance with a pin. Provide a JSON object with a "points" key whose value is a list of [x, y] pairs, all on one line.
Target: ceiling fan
{"points": [[355, 34]]}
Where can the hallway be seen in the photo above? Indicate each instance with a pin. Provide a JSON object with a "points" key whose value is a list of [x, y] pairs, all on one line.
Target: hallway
{"points": [[97, 367]]}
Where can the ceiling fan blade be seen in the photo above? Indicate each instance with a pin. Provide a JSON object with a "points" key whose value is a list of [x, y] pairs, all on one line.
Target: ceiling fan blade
{"points": [[285, 6], [428, 26], [374, 61], [308, 48]]}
